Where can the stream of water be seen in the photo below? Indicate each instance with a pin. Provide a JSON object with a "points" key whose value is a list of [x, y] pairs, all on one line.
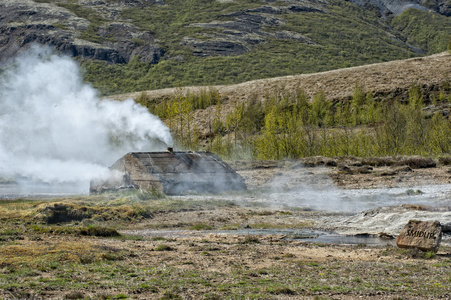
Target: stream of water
{"points": [[304, 235]]}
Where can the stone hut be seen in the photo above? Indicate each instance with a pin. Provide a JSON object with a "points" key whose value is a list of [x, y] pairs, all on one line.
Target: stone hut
{"points": [[173, 173]]}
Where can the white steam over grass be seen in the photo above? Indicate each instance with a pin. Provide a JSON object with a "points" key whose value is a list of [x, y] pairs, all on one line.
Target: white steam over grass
{"points": [[54, 128]]}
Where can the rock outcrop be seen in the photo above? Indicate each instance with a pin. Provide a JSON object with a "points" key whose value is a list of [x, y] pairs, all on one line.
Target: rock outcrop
{"points": [[387, 7], [116, 40], [101, 30], [248, 28], [389, 221], [25, 22]]}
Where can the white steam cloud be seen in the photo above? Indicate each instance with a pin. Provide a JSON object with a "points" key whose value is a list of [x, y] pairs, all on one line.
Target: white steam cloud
{"points": [[54, 128]]}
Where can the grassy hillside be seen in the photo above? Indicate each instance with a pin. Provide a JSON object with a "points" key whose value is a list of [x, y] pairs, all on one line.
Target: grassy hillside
{"points": [[331, 35], [394, 108], [420, 29]]}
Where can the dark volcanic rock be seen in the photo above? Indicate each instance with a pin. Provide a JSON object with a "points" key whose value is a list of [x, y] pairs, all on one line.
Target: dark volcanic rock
{"points": [[266, 10], [24, 22], [215, 47], [446, 228], [125, 36], [244, 22], [297, 8], [284, 9], [13, 39], [249, 27], [445, 9]]}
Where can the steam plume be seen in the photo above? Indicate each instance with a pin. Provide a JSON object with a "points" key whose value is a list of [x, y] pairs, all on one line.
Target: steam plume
{"points": [[54, 128]]}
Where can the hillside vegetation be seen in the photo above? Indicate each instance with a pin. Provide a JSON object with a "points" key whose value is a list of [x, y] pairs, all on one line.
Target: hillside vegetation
{"points": [[395, 108], [214, 45], [138, 45]]}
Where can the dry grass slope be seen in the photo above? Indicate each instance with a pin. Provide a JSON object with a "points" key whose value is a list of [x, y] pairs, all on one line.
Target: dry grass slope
{"points": [[381, 78]]}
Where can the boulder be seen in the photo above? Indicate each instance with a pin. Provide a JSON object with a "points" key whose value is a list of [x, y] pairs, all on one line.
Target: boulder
{"points": [[422, 235]]}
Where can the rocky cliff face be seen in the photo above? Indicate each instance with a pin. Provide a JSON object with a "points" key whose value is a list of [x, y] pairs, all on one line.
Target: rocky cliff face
{"points": [[98, 30], [249, 27], [24, 22], [396, 7]]}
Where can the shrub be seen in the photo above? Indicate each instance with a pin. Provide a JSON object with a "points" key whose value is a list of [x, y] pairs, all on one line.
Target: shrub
{"points": [[445, 161], [251, 239], [280, 290], [98, 231], [164, 247], [417, 162]]}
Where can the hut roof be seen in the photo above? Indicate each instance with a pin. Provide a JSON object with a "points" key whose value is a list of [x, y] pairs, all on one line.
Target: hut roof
{"points": [[177, 172]]}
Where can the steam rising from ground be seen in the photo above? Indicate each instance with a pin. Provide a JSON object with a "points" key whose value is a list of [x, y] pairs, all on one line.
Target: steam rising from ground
{"points": [[318, 192], [303, 189], [291, 185], [54, 128]]}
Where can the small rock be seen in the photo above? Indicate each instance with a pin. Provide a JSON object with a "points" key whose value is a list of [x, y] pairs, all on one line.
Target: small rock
{"points": [[446, 228]]}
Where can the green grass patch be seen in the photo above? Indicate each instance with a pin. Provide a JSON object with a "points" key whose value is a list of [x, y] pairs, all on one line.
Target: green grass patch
{"points": [[164, 247]]}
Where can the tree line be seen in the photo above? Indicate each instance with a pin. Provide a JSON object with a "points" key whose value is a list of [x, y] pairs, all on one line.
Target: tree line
{"points": [[291, 125]]}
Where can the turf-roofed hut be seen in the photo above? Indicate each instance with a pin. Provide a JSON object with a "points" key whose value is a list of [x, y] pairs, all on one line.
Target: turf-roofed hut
{"points": [[173, 173]]}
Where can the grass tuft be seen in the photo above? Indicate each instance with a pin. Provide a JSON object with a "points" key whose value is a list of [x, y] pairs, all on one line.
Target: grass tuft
{"points": [[99, 231], [251, 239], [280, 290], [164, 247]]}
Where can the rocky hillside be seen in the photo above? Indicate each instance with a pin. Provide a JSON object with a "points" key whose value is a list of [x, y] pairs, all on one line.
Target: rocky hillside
{"points": [[130, 45], [68, 26], [387, 7]]}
